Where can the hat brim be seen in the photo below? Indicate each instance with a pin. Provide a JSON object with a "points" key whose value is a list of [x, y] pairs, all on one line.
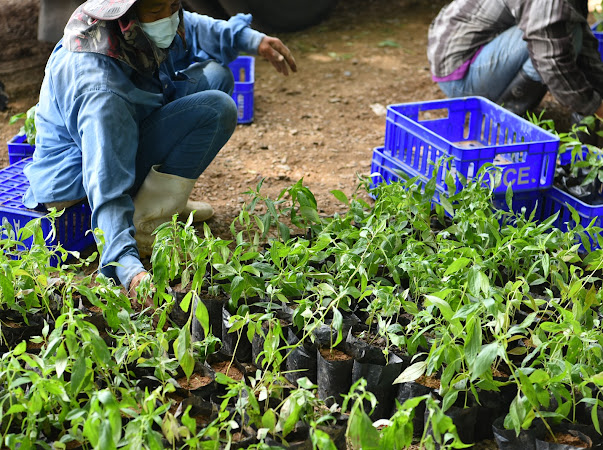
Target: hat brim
{"points": [[107, 9]]}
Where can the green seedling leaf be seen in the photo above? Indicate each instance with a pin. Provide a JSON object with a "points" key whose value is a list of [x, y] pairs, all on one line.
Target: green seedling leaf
{"points": [[20, 348], [478, 281], [225, 269], [309, 213], [528, 389], [202, 316], [361, 432], [7, 289], [269, 419], [19, 382], [186, 301], [339, 195], [61, 360], [15, 409], [77, 375], [337, 324], [411, 373], [237, 324], [184, 352], [484, 360], [595, 418], [14, 119], [442, 305], [305, 383], [291, 413], [321, 440], [449, 399], [188, 421], [457, 265], [597, 379], [100, 349]]}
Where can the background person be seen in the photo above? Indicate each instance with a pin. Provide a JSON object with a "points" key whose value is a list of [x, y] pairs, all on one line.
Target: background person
{"points": [[513, 51], [134, 105]]}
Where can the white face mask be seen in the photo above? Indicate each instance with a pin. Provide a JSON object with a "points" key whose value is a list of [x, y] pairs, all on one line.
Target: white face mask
{"points": [[162, 32]]}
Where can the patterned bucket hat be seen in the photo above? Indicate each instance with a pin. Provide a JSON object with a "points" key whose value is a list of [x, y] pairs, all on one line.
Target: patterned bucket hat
{"points": [[107, 9]]}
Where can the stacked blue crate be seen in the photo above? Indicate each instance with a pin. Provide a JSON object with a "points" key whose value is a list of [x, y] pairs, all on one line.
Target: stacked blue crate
{"points": [[471, 132], [71, 228], [243, 70]]}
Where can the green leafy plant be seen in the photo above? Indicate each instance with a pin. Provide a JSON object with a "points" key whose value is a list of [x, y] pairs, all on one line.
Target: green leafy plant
{"points": [[29, 127]]}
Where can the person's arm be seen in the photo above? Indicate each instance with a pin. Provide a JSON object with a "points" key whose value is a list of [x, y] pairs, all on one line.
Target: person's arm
{"points": [[108, 138], [222, 40], [546, 25], [209, 38]]}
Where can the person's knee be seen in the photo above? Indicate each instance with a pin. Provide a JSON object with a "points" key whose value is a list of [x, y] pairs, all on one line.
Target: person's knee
{"points": [[226, 109], [220, 77]]}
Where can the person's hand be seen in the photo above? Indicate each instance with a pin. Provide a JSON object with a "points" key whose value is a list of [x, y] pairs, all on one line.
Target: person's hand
{"points": [[278, 54], [147, 303], [132, 294]]}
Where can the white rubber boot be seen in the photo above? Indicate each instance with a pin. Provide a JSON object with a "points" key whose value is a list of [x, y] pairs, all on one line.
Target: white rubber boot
{"points": [[160, 197]]}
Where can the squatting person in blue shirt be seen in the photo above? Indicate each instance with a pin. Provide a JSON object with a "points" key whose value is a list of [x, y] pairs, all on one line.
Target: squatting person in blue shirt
{"points": [[135, 104], [513, 51]]}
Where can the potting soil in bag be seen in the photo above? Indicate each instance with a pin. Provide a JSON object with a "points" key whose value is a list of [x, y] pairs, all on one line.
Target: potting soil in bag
{"points": [[235, 343], [509, 440], [410, 390], [300, 361], [379, 381], [334, 373], [214, 310], [569, 436]]}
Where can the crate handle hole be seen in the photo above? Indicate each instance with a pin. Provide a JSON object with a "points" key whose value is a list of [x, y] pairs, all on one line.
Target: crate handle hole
{"points": [[467, 125], [433, 114]]}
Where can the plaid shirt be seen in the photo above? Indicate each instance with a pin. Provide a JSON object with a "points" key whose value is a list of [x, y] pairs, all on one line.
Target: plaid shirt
{"points": [[464, 26]]}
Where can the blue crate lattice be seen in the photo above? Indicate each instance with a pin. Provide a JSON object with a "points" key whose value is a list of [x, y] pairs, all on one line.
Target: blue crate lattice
{"points": [[472, 131], [243, 70], [71, 228], [19, 149]]}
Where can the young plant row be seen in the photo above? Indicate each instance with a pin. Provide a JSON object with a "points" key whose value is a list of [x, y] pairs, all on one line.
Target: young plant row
{"points": [[307, 329]]}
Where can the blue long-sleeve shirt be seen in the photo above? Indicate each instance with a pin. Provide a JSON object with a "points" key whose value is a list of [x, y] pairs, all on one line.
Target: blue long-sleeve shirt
{"points": [[87, 122]]}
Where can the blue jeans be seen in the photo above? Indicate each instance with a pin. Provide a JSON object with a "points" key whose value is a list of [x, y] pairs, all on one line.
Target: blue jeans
{"points": [[497, 64], [183, 137]]}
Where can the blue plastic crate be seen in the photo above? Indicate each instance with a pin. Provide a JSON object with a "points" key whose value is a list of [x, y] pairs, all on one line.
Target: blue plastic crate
{"points": [[71, 228], [243, 70], [558, 200], [566, 156], [19, 149], [472, 131]]}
